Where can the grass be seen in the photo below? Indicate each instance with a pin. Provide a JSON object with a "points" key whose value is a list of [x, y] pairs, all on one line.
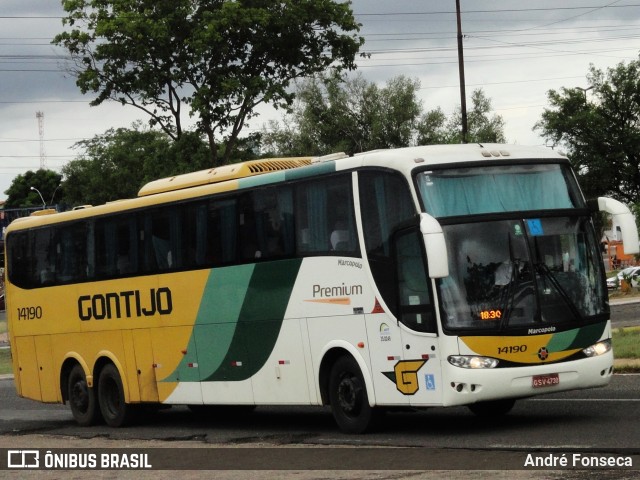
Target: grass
{"points": [[5, 361], [626, 342], [5, 353]]}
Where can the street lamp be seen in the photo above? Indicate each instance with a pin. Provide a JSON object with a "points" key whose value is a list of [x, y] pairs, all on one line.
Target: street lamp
{"points": [[584, 91], [54, 194], [44, 205]]}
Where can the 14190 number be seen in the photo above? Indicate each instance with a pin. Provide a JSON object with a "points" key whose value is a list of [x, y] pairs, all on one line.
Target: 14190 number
{"points": [[513, 349], [29, 313]]}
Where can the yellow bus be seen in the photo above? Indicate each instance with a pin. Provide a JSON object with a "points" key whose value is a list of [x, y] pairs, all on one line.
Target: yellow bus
{"points": [[417, 277]]}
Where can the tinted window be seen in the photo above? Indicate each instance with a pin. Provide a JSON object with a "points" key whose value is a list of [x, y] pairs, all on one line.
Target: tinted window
{"points": [[279, 221], [415, 307], [325, 220], [386, 203]]}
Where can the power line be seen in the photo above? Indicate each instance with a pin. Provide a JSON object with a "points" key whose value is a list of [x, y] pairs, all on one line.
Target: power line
{"points": [[34, 156], [23, 102], [29, 17], [37, 140], [595, 28], [501, 10]]}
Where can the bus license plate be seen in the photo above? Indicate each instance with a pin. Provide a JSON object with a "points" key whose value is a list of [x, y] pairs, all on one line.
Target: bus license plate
{"points": [[549, 380]]}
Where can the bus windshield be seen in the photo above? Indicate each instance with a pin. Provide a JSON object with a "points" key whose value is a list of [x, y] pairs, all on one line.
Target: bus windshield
{"points": [[518, 266], [495, 189], [521, 274]]}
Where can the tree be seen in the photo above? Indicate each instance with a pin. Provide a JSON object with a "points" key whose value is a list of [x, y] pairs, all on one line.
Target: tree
{"points": [[351, 115], [599, 127], [219, 59], [114, 165], [435, 128], [20, 193], [334, 114]]}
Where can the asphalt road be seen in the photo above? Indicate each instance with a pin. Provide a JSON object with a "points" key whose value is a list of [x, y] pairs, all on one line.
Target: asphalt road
{"points": [[303, 443], [591, 422], [603, 419], [625, 313]]}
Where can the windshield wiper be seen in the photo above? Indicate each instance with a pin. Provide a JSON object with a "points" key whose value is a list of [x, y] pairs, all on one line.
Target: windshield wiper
{"points": [[542, 267], [514, 283]]}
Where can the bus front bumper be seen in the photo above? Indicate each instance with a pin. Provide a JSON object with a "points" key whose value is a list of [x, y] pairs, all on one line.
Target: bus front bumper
{"points": [[467, 386]]}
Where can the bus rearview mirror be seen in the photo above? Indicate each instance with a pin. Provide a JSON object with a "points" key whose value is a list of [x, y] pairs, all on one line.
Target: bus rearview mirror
{"points": [[436, 247], [623, 217]]}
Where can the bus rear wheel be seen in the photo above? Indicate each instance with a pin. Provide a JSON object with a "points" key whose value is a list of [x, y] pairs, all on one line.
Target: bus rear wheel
{"points": [[115, 411], [348, 397], [82, 398]]}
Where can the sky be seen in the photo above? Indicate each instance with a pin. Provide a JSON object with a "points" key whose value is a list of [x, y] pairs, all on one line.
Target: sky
{"points": [[515, 50]]}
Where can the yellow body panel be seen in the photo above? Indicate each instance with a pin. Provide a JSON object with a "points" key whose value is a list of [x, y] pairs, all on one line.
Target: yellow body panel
{"points": [[523, 349], [143, 348]]}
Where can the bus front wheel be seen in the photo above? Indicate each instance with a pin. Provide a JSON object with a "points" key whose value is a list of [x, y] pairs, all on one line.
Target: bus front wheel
{"points": [[82, 398], [348, 397], [115, 411]]}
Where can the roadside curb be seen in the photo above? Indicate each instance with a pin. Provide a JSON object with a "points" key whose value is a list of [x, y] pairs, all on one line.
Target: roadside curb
{"points": [[624, 301], [626, 365]]}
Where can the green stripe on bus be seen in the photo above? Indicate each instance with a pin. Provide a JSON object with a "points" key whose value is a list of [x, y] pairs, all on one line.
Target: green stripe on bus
{"points": [[313, 170], [577, 338], [287, 175], [238, 322], [260, 320], [215, 325]]}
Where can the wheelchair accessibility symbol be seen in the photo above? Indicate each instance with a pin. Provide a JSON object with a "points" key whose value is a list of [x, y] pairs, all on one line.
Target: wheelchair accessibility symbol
{"points": [[430, 381]]}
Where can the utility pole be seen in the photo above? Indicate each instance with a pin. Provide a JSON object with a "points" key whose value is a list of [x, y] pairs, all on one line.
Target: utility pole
{"points": [[43, 158], [463, 95]]}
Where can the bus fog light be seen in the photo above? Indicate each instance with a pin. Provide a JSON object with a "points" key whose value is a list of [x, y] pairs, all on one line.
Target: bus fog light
{"points": [[471, 361], [599, 348]]}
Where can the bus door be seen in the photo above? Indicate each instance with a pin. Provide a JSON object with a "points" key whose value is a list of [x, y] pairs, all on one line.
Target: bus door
{"points": [[402, 332], [418, 375]]}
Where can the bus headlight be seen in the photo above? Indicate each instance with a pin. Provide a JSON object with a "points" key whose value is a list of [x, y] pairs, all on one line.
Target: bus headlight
{"points": [[472, 361], [599, 348]]}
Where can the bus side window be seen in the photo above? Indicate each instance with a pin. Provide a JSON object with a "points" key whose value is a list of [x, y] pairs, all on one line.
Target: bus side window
{"points": [[71, 253], [161, 239], [386, 203], [44, 253], [20, 268], [115, 246], [325, 220], [250, 250], [313, 231], [221, 231], [273, 209], [414, 297]]}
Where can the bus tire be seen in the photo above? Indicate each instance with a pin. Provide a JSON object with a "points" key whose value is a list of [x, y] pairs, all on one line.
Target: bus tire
{"points": [[82, 398], [115, 411], [348, 397], [492, 408]]}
